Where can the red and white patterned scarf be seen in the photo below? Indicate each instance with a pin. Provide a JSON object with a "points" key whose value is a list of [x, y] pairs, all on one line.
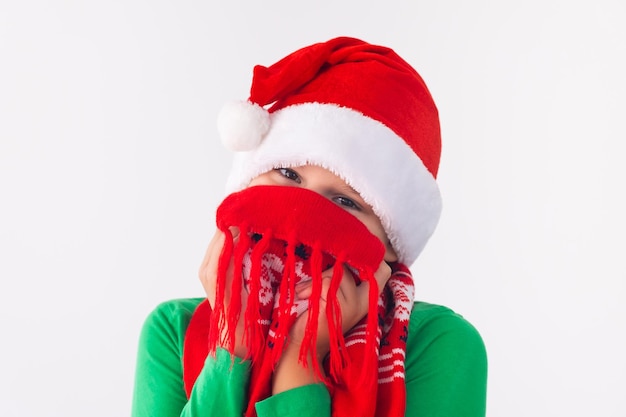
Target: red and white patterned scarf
{"points": [[287, 235]]}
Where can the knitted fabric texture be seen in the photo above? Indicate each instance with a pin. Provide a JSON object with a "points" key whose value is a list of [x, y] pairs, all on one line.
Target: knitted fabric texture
{"points": [[289, 235]]}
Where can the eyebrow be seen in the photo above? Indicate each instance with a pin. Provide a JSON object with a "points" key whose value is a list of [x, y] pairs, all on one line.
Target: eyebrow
{"points": [[347, 189]]}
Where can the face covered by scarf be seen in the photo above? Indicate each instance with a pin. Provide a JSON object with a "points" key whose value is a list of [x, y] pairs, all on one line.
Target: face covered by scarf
{"points": [[289, 235]]}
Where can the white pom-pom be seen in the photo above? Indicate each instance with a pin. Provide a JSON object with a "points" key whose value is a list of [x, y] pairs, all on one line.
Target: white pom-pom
{"points": [[242, 125]]}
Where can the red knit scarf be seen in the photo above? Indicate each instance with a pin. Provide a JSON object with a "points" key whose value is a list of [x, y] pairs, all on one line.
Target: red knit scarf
{"points": [[290, 234]]}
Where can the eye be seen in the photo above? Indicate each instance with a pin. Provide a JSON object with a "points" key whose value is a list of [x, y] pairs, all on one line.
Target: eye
{"points": [[346, 202], [290, 174]]}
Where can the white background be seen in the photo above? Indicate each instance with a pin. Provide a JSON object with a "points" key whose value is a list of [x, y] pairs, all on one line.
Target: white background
{"points": [[110, 170]]}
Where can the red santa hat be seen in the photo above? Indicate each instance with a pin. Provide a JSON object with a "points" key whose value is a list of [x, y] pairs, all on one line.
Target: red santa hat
{"points": [[356, 109]]}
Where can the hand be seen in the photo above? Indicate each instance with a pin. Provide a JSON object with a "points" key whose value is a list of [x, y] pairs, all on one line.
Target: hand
{"points": [[208, 278], [354, 302]]}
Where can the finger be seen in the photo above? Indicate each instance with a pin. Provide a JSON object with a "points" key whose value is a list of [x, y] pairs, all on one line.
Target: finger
{"points": [[304, 289], [212, 254], [353, 299], [347, 287], [382, 275], [209, 263], [235, 232]]}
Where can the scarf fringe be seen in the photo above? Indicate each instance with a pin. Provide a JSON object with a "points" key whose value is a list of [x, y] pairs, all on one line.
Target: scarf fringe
{"points": [[254, 333], [309, 341]]}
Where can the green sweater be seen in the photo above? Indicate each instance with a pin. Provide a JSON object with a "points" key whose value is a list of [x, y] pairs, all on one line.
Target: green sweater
{"points": [[446, 371]]}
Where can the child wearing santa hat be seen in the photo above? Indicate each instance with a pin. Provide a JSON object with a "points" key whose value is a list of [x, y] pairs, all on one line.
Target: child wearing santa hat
{"points": [[309, 307]]}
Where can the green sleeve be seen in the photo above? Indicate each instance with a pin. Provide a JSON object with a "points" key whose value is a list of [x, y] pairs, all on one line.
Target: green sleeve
{"points": [[222, 386], [220, 389], [307, 401], [446, 365]]}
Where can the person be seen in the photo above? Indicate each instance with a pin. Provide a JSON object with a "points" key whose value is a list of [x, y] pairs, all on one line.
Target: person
{"points": [[309, 307]]}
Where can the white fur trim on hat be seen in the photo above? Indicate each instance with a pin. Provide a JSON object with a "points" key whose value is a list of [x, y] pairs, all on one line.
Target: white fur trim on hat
{"points": [[366, 154]]}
